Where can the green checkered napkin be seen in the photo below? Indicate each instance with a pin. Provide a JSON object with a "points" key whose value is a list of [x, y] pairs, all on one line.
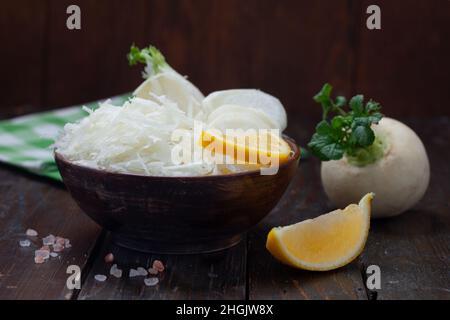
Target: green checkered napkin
{"points": [[26, 141]]}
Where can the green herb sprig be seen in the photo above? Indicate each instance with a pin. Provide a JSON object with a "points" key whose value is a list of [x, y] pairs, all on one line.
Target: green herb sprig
{"points": [[150, 56], [347, 132]]}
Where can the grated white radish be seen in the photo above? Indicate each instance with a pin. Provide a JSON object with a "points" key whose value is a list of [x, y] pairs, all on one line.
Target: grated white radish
{"points": [[133, 138]]}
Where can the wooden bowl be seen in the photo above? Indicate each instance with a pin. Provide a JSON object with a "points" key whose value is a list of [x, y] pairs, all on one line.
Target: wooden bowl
{"points": [[177, 214]]}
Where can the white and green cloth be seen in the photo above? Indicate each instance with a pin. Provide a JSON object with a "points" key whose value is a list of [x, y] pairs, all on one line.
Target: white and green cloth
{"points": [[26, 141]]}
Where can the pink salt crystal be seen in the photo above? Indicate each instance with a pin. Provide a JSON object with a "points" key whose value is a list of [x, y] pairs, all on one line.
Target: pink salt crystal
{"points": [[46, 248], [61, 241], [152, 271], [41, 253], [109, 258], [31, 233], [58, 248], [39, 259], [44, 254], [158, 265], [48, 240]]}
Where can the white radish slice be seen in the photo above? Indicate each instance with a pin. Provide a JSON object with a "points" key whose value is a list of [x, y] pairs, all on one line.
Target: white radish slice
{"points": [[175, 88], [251, 98], [239, 117]]}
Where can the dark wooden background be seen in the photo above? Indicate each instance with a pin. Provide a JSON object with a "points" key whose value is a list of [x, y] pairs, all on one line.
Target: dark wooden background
{"points": [[287, 48]]}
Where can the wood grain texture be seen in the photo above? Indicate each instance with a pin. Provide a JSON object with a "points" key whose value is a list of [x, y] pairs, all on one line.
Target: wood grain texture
{"points": [[220, 275], [86, 64], [194, 214], [287, 48], [269, 279], [413, 249], [23, 40], [219, 44], [404, 64], [28, 202]]}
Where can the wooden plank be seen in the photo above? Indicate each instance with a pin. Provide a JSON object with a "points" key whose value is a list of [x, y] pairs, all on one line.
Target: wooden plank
{"points": [[269, 279], [280, 47], [413, 249], [22, 35], [89, 64], [405, 64], [291, 52], [30, 202], [283, 47], [202, 276]]}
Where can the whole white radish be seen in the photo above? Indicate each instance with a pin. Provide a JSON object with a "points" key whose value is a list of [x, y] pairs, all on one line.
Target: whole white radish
{"points": [[363, 153], [399, 178]]}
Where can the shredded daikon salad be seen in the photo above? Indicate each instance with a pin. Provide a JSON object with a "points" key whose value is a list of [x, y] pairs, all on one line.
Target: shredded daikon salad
{"points": [[133, 138], [137, 137]]}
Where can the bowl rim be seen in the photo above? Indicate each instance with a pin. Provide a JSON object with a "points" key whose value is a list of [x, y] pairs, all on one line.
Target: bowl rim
{"points": [[294, 156]]}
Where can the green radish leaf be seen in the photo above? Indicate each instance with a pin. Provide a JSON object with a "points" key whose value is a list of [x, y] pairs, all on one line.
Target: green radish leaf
{"points": [[362, 136], [356, 104], [347, 132], [323, 97], [340, 101], [372, 106], [150, 56]]}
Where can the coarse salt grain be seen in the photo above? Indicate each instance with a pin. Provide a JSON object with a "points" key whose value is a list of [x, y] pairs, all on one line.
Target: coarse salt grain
{"points": [[109, 258], [39, 259], [142, 271], [48, 240], [60, 240], [24, 243], [46, 248], [44, 254], [100, 277], [31, 233], [53, 254], [57, 247], [152, 271], [115, 271], [158, 265], [150, 282], [133, 273], [67, 243]]}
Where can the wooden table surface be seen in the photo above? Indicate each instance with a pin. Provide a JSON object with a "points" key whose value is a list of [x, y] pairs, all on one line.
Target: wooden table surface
{"points": [[412, 250]]}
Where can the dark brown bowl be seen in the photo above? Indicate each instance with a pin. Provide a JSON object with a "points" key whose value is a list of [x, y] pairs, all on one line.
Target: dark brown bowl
{"points": [[177, 214]]}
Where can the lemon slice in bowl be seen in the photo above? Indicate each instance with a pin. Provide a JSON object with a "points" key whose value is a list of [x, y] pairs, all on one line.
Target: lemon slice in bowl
{"points": [[249, 98], [325, 243], [252, 148]]}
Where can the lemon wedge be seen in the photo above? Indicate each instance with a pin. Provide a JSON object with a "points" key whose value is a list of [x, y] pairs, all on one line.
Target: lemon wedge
{"points": [[325, 243], [257, 148]]}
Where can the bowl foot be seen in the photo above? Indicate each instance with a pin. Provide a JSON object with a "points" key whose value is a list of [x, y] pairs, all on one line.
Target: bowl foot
{"points": [[153, 246]]}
